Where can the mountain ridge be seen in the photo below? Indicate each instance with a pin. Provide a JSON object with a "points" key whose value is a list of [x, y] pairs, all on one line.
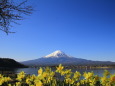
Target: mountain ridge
{"points": [[59, 57]]}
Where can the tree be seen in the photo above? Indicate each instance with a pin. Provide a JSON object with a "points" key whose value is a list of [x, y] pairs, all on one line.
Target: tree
{"points": [[10, 12]]}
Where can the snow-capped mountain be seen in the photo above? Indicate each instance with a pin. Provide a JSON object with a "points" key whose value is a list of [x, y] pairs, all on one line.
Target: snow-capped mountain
{"points": [[57, 54], [59, 57]]}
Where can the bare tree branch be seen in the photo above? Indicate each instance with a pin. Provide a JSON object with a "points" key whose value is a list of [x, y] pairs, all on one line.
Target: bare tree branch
{"points": [[10, 13]]}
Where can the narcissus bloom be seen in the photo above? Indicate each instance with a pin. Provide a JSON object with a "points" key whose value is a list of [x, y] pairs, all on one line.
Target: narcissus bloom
{"points": [[39, 83], [40, 71], [60, 68]]}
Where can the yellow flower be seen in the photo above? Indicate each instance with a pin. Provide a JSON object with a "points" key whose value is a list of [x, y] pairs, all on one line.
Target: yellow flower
{"points": [[77, 75], [108, 84], [69, 81], [1, 81], [39, 83], [45, 74], [67, 75], [31, 85], [40, 71], [40, 77], [104, 80], [106, 73], [47, 77], [97, 78], [112, 79], [68, 71], [1, 75], [22, 73], [21, 76], [82, 81], [92, 82], [72, 81], [9, 85], [47, 69], [88, 75], [62, 73], [60, 68], [78, 84], [33, 77], [28, 81], [52, 74], [18, 84]]}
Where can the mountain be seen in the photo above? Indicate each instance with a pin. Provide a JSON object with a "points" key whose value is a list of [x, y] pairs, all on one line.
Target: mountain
{"points": [[10, 63], [57, 54], [59, 57]]}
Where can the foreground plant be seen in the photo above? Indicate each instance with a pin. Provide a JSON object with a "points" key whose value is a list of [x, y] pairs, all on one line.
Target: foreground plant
{"points": [[59, 77]]}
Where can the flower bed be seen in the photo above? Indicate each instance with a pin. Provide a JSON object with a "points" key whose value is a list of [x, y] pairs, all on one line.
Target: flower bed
{"points": [[47, 77]]}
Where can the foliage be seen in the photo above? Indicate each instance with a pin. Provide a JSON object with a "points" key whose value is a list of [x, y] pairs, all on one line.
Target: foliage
{"points": [[59, 77]]}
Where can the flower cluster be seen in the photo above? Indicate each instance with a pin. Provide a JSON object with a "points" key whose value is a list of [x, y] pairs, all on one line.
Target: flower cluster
{"points": [[59, 77]]}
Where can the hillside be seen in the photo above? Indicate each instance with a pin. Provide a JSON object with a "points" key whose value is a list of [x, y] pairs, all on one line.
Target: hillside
{"points": [[11, 63]]}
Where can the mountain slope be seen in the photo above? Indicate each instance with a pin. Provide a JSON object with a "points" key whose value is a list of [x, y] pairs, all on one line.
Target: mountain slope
{"points": [[59, 57], [11, 63], [57, 54]]}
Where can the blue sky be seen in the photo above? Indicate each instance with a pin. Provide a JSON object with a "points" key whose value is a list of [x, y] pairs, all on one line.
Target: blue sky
{"points": [[80, 28]]}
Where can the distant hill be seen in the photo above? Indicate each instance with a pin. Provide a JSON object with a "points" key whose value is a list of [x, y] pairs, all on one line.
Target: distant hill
{"points": [[11, 63], [59, 57]]}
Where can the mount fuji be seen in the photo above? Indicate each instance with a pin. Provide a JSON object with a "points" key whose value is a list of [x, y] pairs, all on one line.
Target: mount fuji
{"points": [[59, 57], [57, 54]]}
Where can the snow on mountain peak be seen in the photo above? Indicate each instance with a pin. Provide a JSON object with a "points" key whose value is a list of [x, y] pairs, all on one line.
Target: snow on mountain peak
{"points": [[56, 54]]}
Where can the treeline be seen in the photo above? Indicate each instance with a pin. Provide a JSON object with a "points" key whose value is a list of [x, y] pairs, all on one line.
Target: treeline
{"points": [[10, 63]]}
